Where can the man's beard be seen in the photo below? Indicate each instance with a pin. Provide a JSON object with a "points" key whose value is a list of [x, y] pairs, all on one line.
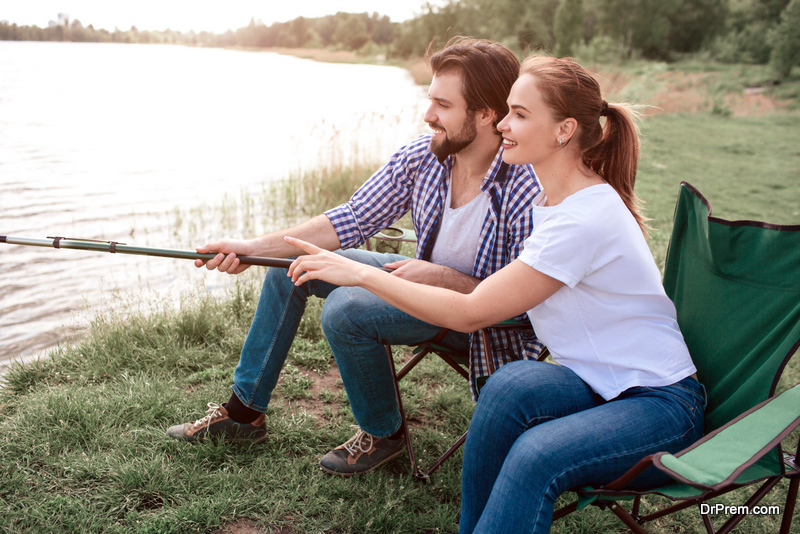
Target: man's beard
{"points": [[459, 140]]}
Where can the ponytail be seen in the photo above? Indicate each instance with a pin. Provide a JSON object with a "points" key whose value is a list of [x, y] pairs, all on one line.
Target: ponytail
{"points": [[616, 156]]}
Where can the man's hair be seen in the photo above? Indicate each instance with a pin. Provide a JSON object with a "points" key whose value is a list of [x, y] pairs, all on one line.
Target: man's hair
{"points": [[488, 70]]}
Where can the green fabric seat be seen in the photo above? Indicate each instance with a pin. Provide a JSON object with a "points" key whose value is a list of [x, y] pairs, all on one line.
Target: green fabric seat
{"points": [[736, 289]]}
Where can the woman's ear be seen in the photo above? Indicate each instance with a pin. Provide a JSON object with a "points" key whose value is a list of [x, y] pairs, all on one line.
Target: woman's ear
{"points": [[567, 129]]}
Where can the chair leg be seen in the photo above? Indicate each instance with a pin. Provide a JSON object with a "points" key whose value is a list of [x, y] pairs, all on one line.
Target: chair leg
{"points": [[446, 455], [707, 523], [410, 364], [565, 510], [731, 523], [626, 518], [417, 473], [668, 510], [788, 510]]}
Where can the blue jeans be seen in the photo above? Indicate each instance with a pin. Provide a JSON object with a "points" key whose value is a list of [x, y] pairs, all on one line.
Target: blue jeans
{"points": [[356, 324], [538, 430]]}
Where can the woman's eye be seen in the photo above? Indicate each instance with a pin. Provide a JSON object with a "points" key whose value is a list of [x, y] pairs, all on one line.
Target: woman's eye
{"points": [[520, 115]]}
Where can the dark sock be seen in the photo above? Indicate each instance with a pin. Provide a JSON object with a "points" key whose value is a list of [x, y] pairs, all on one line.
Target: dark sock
{"points": [[398, 434], [239, 412]]}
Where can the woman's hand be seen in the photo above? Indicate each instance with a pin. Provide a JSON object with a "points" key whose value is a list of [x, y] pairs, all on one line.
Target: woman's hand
{"points": [[323, 265]]}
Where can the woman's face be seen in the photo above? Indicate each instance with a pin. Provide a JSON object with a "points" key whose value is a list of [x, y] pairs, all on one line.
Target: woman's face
{"points": [[530, 132]]}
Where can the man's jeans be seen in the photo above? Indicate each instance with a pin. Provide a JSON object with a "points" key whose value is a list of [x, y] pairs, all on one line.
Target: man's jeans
{"points": [[538, 430], [356, 324]]}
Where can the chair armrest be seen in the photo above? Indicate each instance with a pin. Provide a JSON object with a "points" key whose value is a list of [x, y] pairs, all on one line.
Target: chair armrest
{"points": [[718, 459]]}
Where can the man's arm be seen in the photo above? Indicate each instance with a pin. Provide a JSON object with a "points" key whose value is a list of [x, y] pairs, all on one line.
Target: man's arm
{"points": [[318, 230], [425, 272]]}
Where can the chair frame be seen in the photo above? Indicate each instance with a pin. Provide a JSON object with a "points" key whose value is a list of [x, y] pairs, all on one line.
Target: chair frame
{"points": [[432, 347]]}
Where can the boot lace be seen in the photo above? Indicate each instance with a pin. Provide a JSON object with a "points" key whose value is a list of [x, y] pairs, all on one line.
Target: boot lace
{"points": [[213, 414], [360, 442]]}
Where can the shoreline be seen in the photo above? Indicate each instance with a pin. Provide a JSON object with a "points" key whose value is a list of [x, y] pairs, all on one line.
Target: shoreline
{"points": [[417, 67]]}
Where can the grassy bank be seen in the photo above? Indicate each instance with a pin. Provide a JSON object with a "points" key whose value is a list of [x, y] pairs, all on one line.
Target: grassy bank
{"points": [[82, 444]]}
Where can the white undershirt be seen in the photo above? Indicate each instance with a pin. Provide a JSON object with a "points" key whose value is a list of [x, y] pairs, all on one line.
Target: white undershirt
{"points": [[457, 242]]}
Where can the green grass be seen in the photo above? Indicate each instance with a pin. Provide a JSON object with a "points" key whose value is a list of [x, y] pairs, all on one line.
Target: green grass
{"points": [[748, 168], [82, 444]]}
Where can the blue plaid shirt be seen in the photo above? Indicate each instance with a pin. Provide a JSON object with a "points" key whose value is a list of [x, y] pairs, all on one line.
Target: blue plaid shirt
{"points": [[413, 179]]}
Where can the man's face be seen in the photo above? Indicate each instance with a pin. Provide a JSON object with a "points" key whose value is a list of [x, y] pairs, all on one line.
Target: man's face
{"points": [[452, 124]]}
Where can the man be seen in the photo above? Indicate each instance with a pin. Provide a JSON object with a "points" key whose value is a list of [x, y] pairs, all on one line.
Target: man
{"points": [[471, 213]]}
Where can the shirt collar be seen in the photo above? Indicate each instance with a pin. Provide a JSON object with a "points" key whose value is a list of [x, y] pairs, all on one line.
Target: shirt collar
{"points": [[491, 174]]}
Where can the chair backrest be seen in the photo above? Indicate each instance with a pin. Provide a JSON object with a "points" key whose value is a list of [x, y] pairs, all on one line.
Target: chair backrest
{"points": [[736, 288]]}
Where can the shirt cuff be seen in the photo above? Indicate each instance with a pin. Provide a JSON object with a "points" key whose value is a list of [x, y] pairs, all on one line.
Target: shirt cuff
{"points": [[346, 226]]}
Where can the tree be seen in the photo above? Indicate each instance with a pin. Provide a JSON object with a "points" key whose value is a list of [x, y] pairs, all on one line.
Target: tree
{"points": [[568, 27], [350, 31], [382, 29], [521, 24], [785, 40], [695, 22], [325, 27], [638, 24], [299, 31]]}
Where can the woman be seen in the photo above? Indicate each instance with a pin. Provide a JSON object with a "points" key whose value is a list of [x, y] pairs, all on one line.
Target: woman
{"points": [[625, 386]]}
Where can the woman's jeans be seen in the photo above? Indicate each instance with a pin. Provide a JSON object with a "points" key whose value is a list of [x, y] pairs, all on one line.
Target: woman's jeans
{"points": [[356, 324], [538, 430]]}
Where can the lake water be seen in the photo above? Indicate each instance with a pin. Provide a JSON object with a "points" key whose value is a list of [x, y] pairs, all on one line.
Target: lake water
{"points": [[107, 141]]}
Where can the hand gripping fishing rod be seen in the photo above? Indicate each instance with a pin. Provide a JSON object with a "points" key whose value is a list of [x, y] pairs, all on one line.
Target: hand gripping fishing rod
{"points": [[115, 247]]}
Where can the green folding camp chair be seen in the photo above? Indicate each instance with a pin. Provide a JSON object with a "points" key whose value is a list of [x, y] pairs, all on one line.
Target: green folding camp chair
{"points": [[736, 288]]}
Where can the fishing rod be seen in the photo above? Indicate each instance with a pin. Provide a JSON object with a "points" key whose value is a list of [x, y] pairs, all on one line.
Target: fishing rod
{"points": [[115, 247]]}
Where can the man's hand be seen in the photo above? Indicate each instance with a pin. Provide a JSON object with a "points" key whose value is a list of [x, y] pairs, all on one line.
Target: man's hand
{"points": [[425, 272], [226, 261]]}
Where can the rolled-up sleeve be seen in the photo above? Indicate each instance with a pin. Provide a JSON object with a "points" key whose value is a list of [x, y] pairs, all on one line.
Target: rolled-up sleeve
{"points": [[383, 199]]}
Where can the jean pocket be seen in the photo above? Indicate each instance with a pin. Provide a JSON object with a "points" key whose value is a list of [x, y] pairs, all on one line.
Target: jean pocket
{"points": [[687, 397]]}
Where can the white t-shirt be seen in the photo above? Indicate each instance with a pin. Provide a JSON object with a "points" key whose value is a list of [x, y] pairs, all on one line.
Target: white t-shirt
{"points": [[459, 233], [611, 323]]}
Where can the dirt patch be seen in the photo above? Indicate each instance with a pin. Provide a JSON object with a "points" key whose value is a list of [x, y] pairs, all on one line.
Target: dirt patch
{"points": [[329, 382], [682, 92], [243, 526]]}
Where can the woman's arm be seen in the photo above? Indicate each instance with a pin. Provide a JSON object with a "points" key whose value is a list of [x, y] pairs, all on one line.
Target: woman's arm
{"points": [[509, 292]]}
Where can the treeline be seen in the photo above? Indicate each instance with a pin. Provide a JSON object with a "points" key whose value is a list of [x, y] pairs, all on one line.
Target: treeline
{"points": [[346, 31], [733, 31]]}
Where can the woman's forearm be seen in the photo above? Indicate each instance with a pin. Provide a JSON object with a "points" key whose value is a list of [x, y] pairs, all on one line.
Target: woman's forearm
{"points": [[507, 293], [435, 305]]}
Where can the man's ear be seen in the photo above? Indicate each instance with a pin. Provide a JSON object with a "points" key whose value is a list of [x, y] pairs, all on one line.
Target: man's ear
{"points": [[485, 116]]}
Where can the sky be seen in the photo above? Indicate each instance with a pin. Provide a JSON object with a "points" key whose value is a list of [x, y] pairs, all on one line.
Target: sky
{"points": [[199, 15]]}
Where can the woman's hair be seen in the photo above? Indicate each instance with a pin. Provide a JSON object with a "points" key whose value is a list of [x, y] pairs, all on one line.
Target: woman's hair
{"points": [[611, 150], [488, 70]]}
